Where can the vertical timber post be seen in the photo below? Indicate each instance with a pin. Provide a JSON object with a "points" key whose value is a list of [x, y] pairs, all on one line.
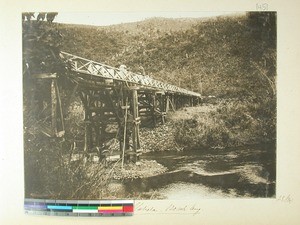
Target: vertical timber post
{"points": [[61, 116], [174, 101], [87, 131], [167, 103], [153, 109], [87, 122], [136, 121], [163, 107], [53, 107]]}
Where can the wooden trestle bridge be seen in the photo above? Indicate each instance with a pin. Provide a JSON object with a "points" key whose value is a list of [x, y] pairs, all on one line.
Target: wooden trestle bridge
{"points": [[114, 96]]}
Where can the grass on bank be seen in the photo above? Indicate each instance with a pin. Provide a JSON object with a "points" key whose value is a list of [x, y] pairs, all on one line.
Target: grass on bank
{"points": [[228, 124]]}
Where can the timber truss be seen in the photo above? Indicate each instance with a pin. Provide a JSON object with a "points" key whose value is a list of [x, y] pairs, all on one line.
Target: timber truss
{"points": [[115, 102], [86, 66]]}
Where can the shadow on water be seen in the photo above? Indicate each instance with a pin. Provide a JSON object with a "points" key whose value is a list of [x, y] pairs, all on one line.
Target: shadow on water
{"points": [[239, 172]]}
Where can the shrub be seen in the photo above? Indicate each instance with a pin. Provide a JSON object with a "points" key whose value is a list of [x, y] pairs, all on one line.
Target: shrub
{"points": [[232, 124]]}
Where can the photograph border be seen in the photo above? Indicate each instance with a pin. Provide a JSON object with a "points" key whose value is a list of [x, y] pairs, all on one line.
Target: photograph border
{"points": [[213, 211]]}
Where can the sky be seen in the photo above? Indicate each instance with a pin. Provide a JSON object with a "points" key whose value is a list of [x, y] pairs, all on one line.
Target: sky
{"points": [[109, 18]]}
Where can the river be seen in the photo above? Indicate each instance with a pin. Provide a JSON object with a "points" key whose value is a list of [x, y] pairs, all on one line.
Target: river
{"points": [[244, 172]]}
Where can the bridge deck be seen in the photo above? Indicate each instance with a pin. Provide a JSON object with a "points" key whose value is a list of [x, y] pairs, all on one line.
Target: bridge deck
{"points": [[100, 70]]}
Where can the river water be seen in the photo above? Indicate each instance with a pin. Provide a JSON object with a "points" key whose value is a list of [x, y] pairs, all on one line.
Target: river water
{"points": [[219, 173]]}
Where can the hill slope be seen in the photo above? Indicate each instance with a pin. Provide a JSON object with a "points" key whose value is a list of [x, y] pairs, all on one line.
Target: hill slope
{"points": [[226, 54]]}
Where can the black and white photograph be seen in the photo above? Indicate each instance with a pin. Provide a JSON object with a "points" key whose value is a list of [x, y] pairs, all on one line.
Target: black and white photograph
{"points": [[149, 105]]}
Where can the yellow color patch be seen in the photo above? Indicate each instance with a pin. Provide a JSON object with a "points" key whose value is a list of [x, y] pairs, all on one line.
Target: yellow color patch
{"points": [[110, 208]]}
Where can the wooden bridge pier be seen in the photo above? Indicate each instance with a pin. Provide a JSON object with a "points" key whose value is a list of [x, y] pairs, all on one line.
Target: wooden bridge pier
{"points": [[111, 113], [147, 106], [154, 105]]}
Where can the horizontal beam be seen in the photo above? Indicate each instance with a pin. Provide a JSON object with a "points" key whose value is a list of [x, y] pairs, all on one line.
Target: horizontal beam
{"points": [[86, 66]]}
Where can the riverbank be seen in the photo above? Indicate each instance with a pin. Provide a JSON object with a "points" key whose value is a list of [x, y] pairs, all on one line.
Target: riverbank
{"points": [[141, 169], [243, 172]]}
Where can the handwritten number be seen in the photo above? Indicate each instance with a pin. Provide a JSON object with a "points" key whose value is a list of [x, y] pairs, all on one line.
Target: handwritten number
{"points": [[262, 6], [285, 198]]}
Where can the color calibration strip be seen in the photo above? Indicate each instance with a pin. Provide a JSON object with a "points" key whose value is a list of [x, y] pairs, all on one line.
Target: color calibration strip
{"points": [[79, 208]]}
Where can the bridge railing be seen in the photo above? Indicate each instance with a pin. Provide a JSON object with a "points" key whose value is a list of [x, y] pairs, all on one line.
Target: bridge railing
{"points": [[82, 65]]}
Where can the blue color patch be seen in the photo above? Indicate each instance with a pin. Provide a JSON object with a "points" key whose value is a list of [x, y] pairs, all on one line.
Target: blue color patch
{"points": [[60, 207]]}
